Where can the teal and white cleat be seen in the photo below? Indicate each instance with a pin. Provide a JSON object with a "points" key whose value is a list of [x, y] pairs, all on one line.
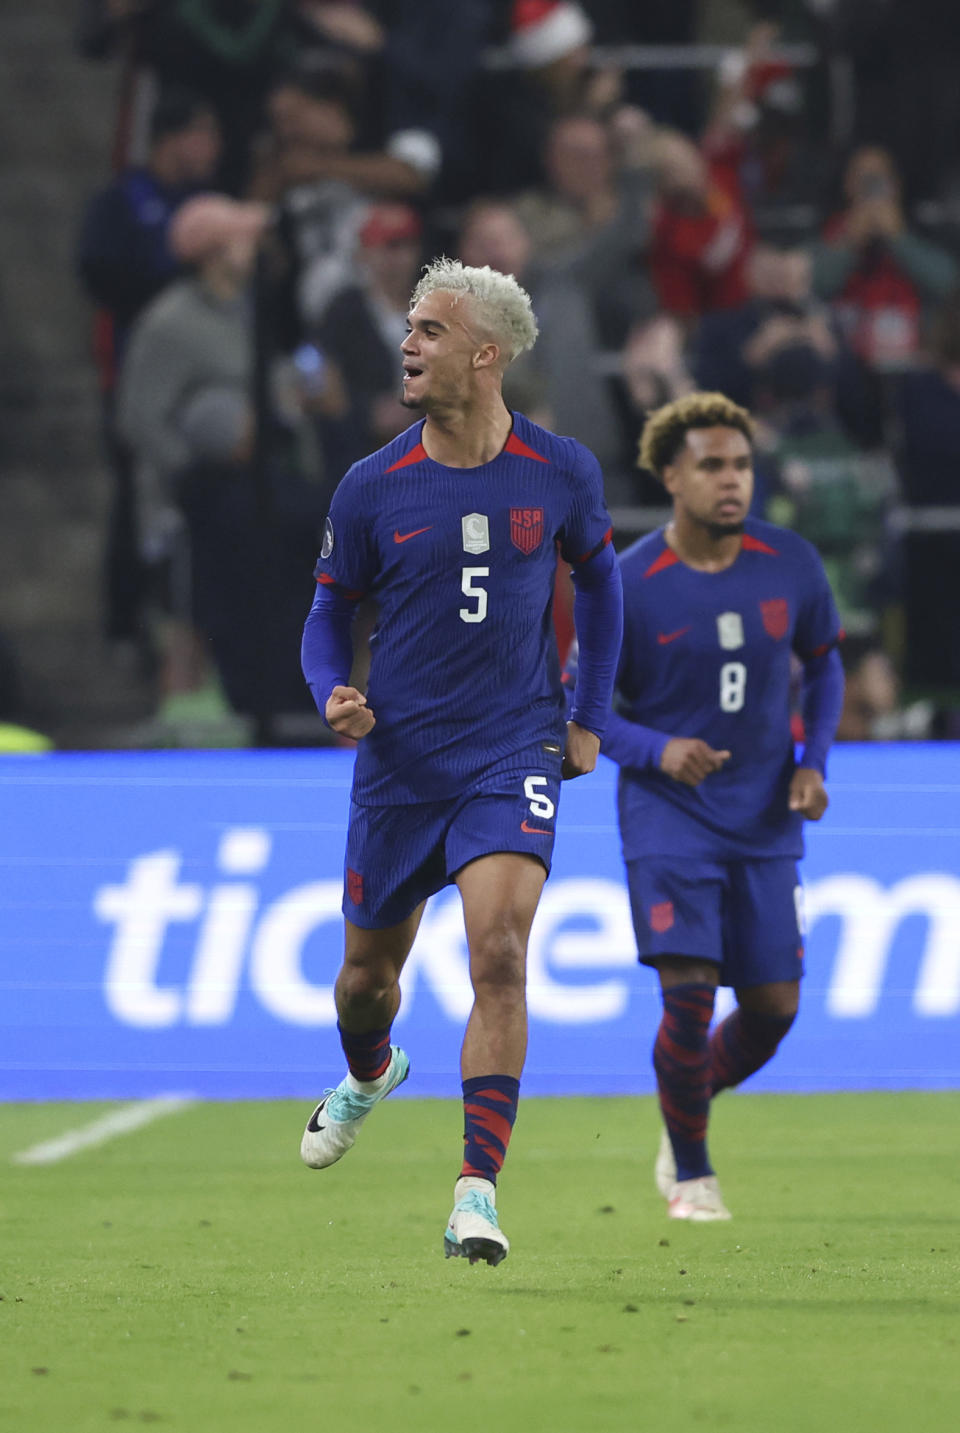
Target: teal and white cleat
{"points": [[665, 1168], [473, 1231], [335, 1123]]}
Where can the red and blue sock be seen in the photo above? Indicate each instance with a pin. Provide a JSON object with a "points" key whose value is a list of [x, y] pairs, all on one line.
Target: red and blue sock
{"points": [[681, 1059], [489, 1111], [742, 1044], [368, 1054]]}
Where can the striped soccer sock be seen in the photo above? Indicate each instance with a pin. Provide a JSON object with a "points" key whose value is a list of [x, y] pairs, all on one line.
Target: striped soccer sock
{"points": [[742, 1044], [681, 1059], [489, 1111], [368, 1054]]}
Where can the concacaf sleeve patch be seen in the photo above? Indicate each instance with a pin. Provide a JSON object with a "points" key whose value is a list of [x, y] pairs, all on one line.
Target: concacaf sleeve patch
{"points": [[327, 546]]}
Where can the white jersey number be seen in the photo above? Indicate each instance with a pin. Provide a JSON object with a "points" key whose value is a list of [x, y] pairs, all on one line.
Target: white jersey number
{"points": [[479, 594], [540, 804], [733, 686]]}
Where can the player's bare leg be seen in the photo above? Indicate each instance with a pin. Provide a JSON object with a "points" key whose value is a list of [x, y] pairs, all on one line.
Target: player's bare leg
{"points": [[681, 1059], [500, 895], [367, 995]]}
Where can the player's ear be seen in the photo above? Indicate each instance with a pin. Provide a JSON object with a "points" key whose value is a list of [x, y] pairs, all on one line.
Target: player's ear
{"points": [[486, 356]]}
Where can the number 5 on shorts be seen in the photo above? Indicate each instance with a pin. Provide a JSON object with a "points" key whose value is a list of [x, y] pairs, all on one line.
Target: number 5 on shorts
{"points": [[540, 805]]}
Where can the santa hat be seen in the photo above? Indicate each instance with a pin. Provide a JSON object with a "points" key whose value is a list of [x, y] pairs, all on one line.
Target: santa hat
{"points": [[542, 31]]}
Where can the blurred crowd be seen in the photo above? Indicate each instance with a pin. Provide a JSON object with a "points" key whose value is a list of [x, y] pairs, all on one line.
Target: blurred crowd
{"points": [[765, 225]]}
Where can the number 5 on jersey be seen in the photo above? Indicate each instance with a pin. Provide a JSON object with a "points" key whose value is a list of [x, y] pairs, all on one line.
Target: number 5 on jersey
{"points": [[479, 594]]}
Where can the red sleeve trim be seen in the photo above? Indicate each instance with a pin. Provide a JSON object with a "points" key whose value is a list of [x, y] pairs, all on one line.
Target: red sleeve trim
{"points": [[607, 537], [325, 580], [827, 646]]}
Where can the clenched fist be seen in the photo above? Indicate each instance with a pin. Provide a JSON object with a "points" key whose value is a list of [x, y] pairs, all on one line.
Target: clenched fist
{"points": [[347, 713]]}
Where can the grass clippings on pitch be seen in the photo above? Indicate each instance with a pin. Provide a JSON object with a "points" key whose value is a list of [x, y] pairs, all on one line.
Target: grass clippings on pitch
{"points": [[194, 1276]]}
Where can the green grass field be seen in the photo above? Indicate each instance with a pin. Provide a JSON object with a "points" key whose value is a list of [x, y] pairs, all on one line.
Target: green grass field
{"points": [[194, 1275]]}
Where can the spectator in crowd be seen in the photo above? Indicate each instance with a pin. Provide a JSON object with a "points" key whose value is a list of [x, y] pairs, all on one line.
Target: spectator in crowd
{"points": [[230, 52], [903, 59], [493, 233], [365, 323], [731, 347], [814, 478], [591, 219], [546, 74], [878, 274], [566, 381], [761, 130], [653, 371], [124, 260], [702, 231], [196, 335], [874, 708], [308, 165], [193, 341], [252, 626]]}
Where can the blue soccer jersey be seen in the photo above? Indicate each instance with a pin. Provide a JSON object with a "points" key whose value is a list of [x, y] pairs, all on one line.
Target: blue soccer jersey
{"points": [[708, 655], [461, 563]]}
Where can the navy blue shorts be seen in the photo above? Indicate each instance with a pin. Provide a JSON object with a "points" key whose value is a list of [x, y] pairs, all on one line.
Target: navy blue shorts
{"points": [[744, 915], [397, 856]]}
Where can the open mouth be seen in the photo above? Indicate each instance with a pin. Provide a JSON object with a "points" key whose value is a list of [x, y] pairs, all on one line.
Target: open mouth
{"points": [[411, 371]]}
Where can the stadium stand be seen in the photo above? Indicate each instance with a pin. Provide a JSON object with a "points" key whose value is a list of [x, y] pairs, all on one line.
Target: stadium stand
{"points": [[749, 137]]}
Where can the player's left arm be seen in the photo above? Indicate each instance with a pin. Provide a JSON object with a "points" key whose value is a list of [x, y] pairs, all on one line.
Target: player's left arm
{"points": [[598, 619], [597, 611], [815, 641]]}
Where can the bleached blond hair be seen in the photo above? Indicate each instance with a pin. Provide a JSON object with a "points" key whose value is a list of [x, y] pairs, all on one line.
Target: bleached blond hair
{"points": [[502, 307]]}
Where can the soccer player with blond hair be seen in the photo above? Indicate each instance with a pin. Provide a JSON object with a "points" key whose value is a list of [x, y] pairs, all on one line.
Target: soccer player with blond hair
{"points": [[453, 529]]}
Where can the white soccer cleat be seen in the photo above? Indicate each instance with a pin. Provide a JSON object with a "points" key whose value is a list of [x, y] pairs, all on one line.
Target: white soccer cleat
{"points": [[665, 1168], [473, 1231], [335, 1123], [698, 1200]]}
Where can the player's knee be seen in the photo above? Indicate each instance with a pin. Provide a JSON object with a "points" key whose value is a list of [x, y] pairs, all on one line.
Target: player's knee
{"points": [[781, 1000], [365, 985], [497, 965]]}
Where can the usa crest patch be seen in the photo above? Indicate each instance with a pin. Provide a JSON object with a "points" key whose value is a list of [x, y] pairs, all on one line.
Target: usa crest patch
{"points": [[776, 617], [526, 528]]}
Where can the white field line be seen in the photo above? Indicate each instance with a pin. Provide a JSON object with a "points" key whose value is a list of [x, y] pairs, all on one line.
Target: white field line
{"points": [[122, 1121]]}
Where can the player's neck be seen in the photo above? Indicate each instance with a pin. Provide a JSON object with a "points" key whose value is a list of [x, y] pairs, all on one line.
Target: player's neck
{"points": [[467, 437], [701, 547]]}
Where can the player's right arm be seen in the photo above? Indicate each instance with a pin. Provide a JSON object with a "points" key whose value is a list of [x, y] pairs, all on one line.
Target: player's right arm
{"points": [[642, 748], [343, 573]]}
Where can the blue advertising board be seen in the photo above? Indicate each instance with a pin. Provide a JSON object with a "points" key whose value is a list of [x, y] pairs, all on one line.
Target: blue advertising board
{"points": [[170, 922]]}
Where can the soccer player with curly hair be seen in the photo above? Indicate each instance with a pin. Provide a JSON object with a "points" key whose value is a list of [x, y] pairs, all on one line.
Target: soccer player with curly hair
{"points": [[718, 609]]}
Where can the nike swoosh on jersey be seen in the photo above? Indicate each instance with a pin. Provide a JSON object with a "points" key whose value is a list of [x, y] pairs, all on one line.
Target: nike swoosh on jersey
{"points": [[664, 637], [534, 830], [406, 536]]}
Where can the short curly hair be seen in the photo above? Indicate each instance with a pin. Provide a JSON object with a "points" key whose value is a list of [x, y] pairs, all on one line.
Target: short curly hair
{"points": [[503, 307], [666, 429]]}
